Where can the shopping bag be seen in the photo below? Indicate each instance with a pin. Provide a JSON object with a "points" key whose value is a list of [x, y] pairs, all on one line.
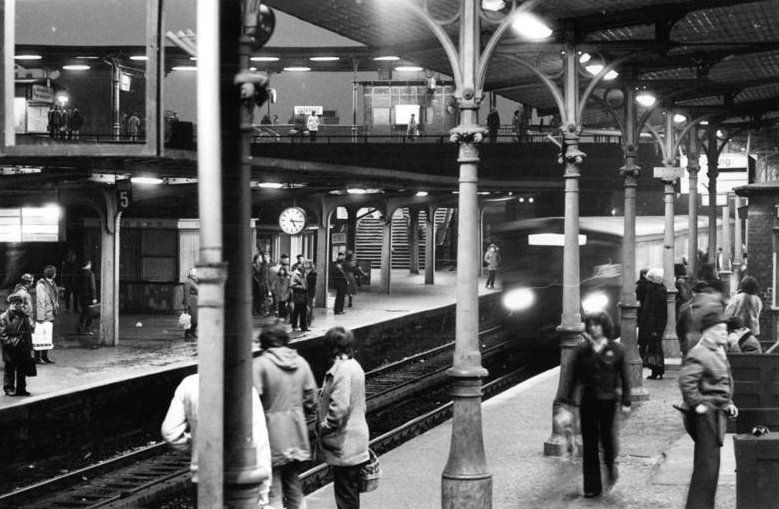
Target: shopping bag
{"points": [[185, 321], [370, 473]]}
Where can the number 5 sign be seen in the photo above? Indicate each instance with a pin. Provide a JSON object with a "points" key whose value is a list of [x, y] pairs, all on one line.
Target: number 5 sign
{"points": [[124, 194]]}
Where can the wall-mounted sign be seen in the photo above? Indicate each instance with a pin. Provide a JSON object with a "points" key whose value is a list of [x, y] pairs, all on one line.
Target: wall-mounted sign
{"points": [[124, 194], [30, 224], [125, 82], [339, 238], [42, 94], [667, 173], [306, 110]]}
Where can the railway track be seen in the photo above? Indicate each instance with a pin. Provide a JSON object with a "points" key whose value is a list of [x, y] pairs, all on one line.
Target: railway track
{"points": [[132, 479]]}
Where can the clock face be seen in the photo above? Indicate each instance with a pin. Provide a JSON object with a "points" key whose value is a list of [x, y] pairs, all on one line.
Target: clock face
{"points": [[292, 220]]}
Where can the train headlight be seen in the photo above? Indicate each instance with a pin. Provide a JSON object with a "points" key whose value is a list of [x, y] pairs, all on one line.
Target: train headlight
{"points": [[519, 299], [595, 302]]}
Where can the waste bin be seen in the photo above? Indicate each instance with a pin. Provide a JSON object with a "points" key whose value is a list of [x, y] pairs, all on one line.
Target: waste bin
{"points": [[757, 471]]}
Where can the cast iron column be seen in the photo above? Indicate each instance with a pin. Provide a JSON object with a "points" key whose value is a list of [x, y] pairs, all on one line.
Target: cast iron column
{"points": [[712, 157], [738, 253], [430, 245], [413, 240], [727, 274], [571, 325], [242, 478], [693, 167], [466, 481], [628, 303], [670, 341]]}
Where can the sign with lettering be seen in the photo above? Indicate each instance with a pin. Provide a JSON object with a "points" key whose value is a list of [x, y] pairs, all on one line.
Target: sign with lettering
{"points": [[306, 110], [124, 194], [125, 82], [42, 94], [668, 173]]}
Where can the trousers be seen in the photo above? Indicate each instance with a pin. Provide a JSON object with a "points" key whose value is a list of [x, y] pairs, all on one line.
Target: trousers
{"points": [[285, 489], [14, 377], [346, 484], [705, 474], [597, 423]]}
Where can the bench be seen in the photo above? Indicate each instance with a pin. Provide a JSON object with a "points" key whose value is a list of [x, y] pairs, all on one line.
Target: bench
{"points": [[755, 391]]}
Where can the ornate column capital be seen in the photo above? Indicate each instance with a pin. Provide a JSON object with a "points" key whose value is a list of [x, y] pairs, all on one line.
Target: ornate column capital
{"points": [[468, 137]]}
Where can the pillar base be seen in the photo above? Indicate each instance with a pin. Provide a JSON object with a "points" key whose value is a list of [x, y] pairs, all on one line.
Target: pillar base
{"points": [[671, 348], [466, 491], [639, 394]]}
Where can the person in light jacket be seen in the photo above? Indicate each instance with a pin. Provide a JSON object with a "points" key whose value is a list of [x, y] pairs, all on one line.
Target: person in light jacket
{"points": [[342, 431], [288, 394], [312, 124], [179, 430], [492, 259], [47, 305], [281, 291], [746, 305], [190, 303]]}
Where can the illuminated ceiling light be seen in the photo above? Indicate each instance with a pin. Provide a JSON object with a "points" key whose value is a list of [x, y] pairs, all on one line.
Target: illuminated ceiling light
{"points": [[387, 58], [88, 57], [147, 181], [493, 5], [594, 68], [297, 69], [252, 68], [270, 185], [264, 59], [584, 58], [142, 58], [408, 68], [357, 190], [76, 67], [704, 122], [530, 27], [193, 59], [28, 57], [612, 74], [521, 200], [646, 99], [185, 68], [422, 194], [324, 59], [679, 118], [483, 193], [531, 200]]}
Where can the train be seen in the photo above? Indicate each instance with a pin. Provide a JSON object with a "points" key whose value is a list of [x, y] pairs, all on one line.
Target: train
{"points": [[531, 268]]}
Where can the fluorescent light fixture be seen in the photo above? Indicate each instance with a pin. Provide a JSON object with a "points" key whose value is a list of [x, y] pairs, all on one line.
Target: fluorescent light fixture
{"points": [[76, 67], [483, 193], [185, 68], [264, 59], [531, 200], [521, 200], [493, 5], [324, 59], [519, 299], [357, 190], [252, 69], [139, 57], [679, 118], [704, 122], [387, 58], [194, 59], [89, 57], [551, 239], [584, 58], [28, 57], [297, 69], [408, 68], [422, 194], [594, 68], [612, 74], [270, 185], [147, 181], [531, 27], [646, 99]]}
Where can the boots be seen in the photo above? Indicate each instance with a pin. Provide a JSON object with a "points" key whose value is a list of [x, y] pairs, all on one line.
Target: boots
{"points": [[350, 301]]}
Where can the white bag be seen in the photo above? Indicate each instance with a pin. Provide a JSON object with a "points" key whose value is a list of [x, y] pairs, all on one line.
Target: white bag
{"points": [[185, 320]]}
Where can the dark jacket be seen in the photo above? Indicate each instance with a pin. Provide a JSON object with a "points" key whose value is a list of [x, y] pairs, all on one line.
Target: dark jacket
{"points": [[688, 323], [289, 396], [598, 373], [746, 342], [298, 286], [27, 303], [261, 277], [705, 377], [654, 314], [16, 336], [339, 275], [85, 285], [311, 284], [641, 287]]}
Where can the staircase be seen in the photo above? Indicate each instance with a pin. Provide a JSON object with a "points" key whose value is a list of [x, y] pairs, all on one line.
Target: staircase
{"points": [[368, 242]]}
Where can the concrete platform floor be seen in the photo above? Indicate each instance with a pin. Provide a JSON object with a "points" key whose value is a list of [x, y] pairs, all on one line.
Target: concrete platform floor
{"points": [[655, 460], [152, 343]]}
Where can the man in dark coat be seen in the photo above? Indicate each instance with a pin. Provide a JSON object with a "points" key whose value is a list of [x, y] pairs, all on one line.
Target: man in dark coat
{"points": [[341, 283], [190, 303], [651, 324], [86, 294], [16, 337], [493, 124]]}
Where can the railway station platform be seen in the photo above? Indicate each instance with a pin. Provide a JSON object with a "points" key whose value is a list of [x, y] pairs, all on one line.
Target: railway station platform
{"points": [[655, 459], [155, 343]]}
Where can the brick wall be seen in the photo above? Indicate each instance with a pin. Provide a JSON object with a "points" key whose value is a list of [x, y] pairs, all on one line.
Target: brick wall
{"points": [[760, 249]]}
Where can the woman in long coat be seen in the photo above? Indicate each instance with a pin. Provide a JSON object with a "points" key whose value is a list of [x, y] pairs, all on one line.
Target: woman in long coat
{"points": [[47, 305], [746, 305], [651, 324], [350, 267]]}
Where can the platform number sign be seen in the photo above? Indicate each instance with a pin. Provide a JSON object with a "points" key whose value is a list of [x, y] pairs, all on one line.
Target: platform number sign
{"points": [[124, 194]]}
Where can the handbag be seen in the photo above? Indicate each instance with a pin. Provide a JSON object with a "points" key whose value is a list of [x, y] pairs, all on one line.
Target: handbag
{"points": [[185, 321], [370, 473]]}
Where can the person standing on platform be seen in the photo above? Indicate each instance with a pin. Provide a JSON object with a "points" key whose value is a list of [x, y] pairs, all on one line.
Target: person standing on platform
{"points": [[179, 430], [683, 288], [312, 124], [706, 385], [350, 267], [598, 365], [341, 284], [87, 295], [281, 292], [299, 299], [746, 305], [299, 263], [23, 288], [412, 130], [69, 278], [341, 428], [261, 284], [651, 324], [688, 324], [16, 329], [311, 275], [133, 126], [641, 285], [76, 122], [47, 306], [518, 124], [55, 121], [190, 303], [741, 339], [288, 393], [492, 259], [493, 125]]}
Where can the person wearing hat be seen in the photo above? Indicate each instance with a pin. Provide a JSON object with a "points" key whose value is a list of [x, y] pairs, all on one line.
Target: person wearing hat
{"points": [[16, 338], [23, 288], [707, 388]]}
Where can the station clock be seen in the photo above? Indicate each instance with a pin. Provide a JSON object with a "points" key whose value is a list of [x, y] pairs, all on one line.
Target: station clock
{"points": [[292, 220]]}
